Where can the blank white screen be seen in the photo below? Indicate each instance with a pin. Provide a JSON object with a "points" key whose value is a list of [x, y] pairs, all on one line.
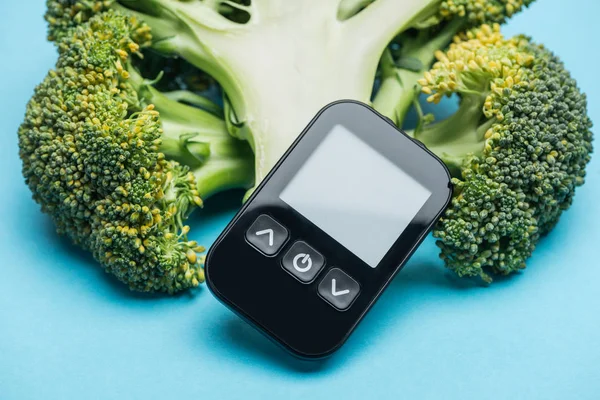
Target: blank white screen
{"points": [[356, 195]]}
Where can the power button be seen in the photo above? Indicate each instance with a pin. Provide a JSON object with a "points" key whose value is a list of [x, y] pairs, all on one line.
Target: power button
{"points": [[303, 262]]}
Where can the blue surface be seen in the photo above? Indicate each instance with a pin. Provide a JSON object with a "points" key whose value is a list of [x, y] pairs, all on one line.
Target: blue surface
{"points": [[68, 331]]}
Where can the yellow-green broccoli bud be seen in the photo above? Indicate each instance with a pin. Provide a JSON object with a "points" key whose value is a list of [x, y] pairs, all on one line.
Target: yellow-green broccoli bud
{"points": [[478, 12], [63, 15]]}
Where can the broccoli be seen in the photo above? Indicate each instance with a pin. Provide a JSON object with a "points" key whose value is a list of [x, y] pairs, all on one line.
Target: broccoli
{"points": [[517, 146], [119, 165], [280, 61]]}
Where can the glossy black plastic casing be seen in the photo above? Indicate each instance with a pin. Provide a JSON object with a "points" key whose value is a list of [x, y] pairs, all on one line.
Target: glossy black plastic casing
{"points": [[258, 289]]}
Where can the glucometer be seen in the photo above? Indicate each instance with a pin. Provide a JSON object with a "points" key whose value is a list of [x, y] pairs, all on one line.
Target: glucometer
{"points": [[324, 233]]}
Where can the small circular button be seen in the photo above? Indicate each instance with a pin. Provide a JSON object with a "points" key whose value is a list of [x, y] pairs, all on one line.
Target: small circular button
{"points": [[306, 260], [303, 262]]}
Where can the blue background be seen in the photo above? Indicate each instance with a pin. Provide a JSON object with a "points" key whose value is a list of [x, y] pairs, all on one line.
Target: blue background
{"points": [[68, 330]]}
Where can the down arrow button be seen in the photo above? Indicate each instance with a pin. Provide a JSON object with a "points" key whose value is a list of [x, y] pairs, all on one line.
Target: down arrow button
{"points": [[339, 289]]}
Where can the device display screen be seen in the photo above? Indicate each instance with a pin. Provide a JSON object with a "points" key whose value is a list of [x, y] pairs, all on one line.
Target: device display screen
{"points": [[355, 194]]}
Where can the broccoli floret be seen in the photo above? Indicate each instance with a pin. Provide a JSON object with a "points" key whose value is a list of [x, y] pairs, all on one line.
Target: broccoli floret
{"points": [[518, 147], [412, 52], [118, 165]]}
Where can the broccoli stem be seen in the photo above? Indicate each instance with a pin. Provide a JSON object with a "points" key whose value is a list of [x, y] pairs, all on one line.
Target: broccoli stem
{"points": [[399, 87], [194, 99], [454, 138], [349, 8], [199, 140], [275, 87], [192, 30]]}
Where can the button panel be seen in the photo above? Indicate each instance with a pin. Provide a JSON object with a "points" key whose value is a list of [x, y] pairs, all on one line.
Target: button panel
{"points": [[267, 235], [303, 262], [339, 289]]}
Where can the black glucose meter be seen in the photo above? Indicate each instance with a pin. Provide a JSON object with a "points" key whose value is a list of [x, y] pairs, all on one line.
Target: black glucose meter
{"points": [[329, 227]]}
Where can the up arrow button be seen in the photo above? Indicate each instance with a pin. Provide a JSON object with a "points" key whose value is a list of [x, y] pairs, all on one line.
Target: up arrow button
{"points": [[267, 235], [267, 232]]}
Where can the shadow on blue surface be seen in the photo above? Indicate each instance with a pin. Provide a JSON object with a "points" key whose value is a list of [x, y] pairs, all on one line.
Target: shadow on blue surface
{"points": [[224, 203], [232, 335], [218, 210], [242, 341], [423, 276], [81, 257]]}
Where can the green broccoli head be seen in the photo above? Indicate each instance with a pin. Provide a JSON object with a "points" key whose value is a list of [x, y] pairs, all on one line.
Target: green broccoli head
{"points": [[518, 147], [63, 15], [478, 12], [116, 176]]}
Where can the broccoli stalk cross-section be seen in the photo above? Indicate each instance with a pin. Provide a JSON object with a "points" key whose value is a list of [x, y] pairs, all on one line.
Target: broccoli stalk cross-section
{"points": [[280, 61]]}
